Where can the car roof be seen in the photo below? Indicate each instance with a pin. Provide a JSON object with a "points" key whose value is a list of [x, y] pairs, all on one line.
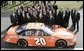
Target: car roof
{"points": [[35, 26]]}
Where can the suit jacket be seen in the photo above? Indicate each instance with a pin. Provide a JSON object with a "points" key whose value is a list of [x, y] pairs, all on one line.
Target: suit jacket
{"points": [[55, 7], [51, 21], [72, 15], [77, 16], [59, 18], [13, 18], [21, 20], [67, 16]]}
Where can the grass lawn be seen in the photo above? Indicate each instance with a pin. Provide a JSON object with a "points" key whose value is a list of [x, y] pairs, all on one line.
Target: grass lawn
{"points": [[69, 4]]}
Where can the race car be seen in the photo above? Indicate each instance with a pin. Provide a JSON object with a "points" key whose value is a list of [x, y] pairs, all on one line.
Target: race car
{"points": [[41, 35]]}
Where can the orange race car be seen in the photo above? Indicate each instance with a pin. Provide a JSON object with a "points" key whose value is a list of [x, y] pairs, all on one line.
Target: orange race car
{"points": [[38, 34]]}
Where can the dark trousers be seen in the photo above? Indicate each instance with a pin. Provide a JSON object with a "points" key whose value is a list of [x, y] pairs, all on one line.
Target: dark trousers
{"points": [[67, 23], [73, 24], [76, 23]]}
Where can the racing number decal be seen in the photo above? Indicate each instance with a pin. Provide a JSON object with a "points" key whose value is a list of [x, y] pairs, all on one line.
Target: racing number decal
{"points": [[40, 41], [37, 41]]}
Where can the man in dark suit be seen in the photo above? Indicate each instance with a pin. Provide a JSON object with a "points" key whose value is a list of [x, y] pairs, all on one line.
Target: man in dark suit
{"points": [[47, 17], [60, 18], [73, 18], [27, 17], [67, 17], [30, 14], [52, 9], [13, 18], [56, 17], [20, 17], [40, 19], [44, 14], [77, 18], [64, 19], [34, 15], [51, 19], [55, 7], [24, 16]]}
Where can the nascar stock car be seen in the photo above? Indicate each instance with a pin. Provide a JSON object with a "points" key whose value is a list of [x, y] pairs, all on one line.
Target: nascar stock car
{"points": [[41, 35]]}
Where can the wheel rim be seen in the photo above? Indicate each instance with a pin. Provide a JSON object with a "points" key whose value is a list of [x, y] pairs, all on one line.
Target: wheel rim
{"points": [[61, 44], [22, 43]]}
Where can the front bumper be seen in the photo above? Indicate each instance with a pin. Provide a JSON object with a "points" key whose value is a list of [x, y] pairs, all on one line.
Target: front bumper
{"points": [[71, 42]]}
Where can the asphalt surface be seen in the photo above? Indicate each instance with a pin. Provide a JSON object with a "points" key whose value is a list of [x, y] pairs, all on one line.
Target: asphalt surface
{"points": [[5, 23]]}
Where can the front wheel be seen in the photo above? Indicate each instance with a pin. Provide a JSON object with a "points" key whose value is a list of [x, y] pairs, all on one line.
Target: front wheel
{"points": [[61, 44], [22, 43]]}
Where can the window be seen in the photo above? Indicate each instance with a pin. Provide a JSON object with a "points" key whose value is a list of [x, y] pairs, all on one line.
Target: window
{"points": [[34, 33], [45, 34], [41, 33], [22, 34], [28, 33]]}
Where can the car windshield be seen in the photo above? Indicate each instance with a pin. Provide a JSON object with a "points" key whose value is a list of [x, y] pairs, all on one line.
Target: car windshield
{"points": [[48, 30], [21, 28]]}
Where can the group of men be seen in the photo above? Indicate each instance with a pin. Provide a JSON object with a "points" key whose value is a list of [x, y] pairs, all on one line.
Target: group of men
{"points": [[48, 14]]}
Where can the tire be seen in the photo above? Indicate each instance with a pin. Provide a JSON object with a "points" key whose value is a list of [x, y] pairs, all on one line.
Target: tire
{"points": [[22, 43], [61, 43]]}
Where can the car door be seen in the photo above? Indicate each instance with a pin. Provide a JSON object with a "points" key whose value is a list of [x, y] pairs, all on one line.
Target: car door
{"points": [[41, 38], [37, 38], [29, 35]]}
